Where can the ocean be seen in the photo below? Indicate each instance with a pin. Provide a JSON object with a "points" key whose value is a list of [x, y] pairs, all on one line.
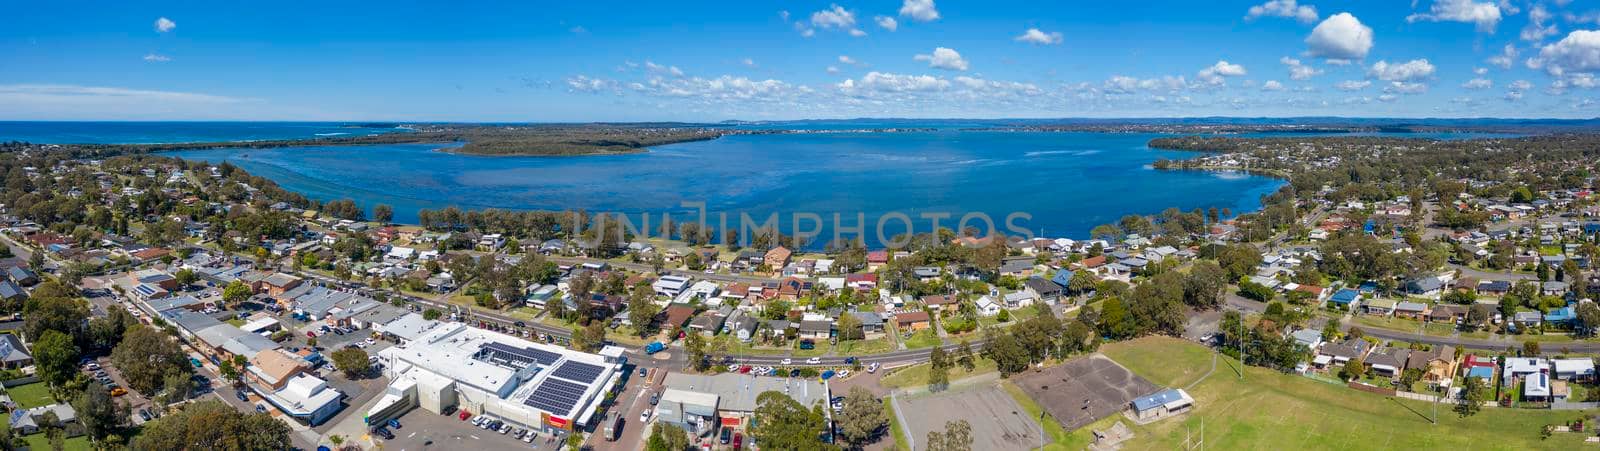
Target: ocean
{"points": [[113, 132]]}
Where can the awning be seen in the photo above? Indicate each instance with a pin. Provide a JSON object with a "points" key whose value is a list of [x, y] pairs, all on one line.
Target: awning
{"points": [[731, 421], [1322, 359]]}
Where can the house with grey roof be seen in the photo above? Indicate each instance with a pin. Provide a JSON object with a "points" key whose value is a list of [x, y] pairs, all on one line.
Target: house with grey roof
{"points": [[13, 354]]}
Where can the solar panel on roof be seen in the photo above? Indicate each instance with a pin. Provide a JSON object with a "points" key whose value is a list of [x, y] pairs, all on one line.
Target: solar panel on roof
{"points": [[555, 396], [500, 353], [577, 371]]}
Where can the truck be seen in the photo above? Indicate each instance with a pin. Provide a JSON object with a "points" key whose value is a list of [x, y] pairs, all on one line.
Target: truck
{"points": [[614, 427], [654, 347]]}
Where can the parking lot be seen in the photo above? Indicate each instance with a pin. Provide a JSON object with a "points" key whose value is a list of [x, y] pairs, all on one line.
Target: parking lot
{"points": [[633, 401], [998, 423], [1081, 391], [421, 429]]}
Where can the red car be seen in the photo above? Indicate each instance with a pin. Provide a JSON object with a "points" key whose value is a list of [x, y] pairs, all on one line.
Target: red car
{"points": [[310, 334], [744, 369], [738, 441]]}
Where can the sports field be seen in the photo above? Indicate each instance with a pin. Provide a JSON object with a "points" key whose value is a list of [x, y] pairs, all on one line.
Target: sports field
{"points": [[1271, 410]]}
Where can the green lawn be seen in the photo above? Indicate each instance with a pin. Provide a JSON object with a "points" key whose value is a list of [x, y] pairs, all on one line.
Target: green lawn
{"points": [[1060, 439], [917, 375], [1387, 322], [864, 347], [897, 431], [42, 443], [31, 395], [925, 338], [1272, 410], [235, 322]]}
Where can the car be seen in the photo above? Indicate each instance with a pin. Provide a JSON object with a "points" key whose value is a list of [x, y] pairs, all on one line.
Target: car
{"points": [[384, 432], [311, 334], [505, 429], [261, 408], [529, 438], [643, 372], [872, 367], [849, 360], [655, 397], [744, 369], [100, 373], [394, 423], [786, 362], [338, 332], [475, 420], [93, 366], [119, 391], [520, 324], [843, 373], [644, 417], [738, 441], [732, 367], [807, 344], [726, 436], [144, 415], [517, 434], [240, 394], [814, 360]]}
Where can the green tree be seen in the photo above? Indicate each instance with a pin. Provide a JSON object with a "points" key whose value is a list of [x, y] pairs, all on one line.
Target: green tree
{"points": [[1353, 369], [61, 314], [1204, 285], [1082, 282], [863, 418], [850, 327], [642, 309], [667, 437], [235, 293], [353, 362], [99, 413], [782, 423], [186, 277], [965, 356], [55, 358], [694, 347], [1473, 394], [938, 368], [146, 356], [589, 338], [382, 213], [214, 425]]}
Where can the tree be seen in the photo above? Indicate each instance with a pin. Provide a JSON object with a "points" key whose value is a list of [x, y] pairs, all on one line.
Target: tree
{"points": [[938, 368], [433, 314], [382, 213], [99, 413], [642, 309], [55, 358], [782, 423], [1115, 321], [1588, 316], [62, 314], [186, 277], [177, 387], [213, 424], [589, 338], [850, 327], [1082, 282], [236, 292], [1353, 369], [146, 356], [694, 347], [1530, 348], [957, 436], [965, 356], [1239, 260], [1473, 395], [353, 362], [1204, 286], [863, 417], [667, 437]]}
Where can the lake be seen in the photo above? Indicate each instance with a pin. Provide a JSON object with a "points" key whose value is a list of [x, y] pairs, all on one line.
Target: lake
{"points": [[1067, 182]]}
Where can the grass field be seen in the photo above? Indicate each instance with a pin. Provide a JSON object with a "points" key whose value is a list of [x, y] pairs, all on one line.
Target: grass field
{"points": [[31, 395], [864, 347], [917, 375], [925, 338], [40, 442], [1060, 439], [896, 430], [1272, 410]]}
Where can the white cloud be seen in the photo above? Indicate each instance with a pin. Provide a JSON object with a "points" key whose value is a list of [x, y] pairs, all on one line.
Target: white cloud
{"points": [[1299, 71], [578, 29], [846, 59], [1537, 29], [833, 70], [1340, 37], [784, 14], [748, 62], [1405, 87], [1504, 59], [586, 84], [888, 23], [885, 82], [1520, 85], [1478, 83], [1579, 52], [1387, 98], [1214, 75], [944, 58], [1034, 36], [74, 102], [663, 69], [1480, 70], [164, 25], [835, 17], [1306, 14], [1418, 69], [155, 58], [1272, 85], [1485, 15], [1513, 96], [1353, 85], [1122, 84], [919, 10]]}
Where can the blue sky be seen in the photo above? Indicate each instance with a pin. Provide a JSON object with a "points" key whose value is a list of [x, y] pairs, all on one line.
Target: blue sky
{"points": [[706, 61]]}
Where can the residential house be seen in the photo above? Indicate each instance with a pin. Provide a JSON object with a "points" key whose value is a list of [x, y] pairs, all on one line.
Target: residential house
{"points": [[987, 306], [708, 322], [743, 326], [1019, 299], [1043, 290], [1448, 313], [1310, 338], [820, 329], [941, 303], [31, 421], [1574, 369], [872, 323], [1438, 364], [1522, 367], [1412, 310], [1345, 297], [912, 321], [1388, 362], [777, 257], [1379, 306], [861, 281], [1339, 353], [13, 354], [1016, 267], [677, 315]]}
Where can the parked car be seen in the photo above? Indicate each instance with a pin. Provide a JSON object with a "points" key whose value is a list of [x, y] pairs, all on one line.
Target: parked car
{"points": [[726, 437], [144, 415], [655, 397], [738, 441], [644, 417], [873, 367], [394, 423], [240, 394]]}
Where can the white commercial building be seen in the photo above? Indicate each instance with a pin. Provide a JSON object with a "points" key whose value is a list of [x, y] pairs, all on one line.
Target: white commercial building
{"points": [[530, 384]]}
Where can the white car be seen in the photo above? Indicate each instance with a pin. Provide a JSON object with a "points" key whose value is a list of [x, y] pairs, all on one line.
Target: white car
{"points": [[733, 367], [873, 367], [842, 373], [814, 360], [644, 417], [786, 362]]}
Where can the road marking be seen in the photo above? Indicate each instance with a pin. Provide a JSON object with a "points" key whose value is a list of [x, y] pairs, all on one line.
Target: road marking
{"points": [[474, 437], [413, 434]]}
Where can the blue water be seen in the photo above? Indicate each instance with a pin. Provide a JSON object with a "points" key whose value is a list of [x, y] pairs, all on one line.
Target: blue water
{"points": [[1067, 182], [174, 132]]}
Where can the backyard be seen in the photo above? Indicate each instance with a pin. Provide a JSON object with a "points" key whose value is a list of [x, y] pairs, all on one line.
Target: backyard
{"points": [[1271, 410]]}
